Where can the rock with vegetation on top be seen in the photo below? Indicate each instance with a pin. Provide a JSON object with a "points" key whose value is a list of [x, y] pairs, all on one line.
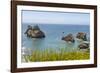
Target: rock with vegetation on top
{"points": [[69, 38], [34, 32]]}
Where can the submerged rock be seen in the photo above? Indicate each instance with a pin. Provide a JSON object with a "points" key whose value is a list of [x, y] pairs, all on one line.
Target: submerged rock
{"points": [[84, 46], [34, 32], [68, 38]]}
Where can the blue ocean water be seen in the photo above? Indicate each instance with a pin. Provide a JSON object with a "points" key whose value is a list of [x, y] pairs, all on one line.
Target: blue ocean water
{"points": [[54, 33]]}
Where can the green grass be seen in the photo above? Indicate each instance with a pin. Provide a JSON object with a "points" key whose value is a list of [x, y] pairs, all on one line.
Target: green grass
{"points": [[54, 55]]}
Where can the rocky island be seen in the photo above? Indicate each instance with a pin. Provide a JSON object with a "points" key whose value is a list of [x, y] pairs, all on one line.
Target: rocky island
{"points": [[82, 36], [84, 45], [69, 38], [34, 32]]}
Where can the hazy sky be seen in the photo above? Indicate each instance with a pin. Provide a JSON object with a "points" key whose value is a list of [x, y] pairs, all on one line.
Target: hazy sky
{"points": [[44, 17]]}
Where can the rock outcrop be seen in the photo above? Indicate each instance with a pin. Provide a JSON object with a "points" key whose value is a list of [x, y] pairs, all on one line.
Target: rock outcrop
{"points": [[84, 46], [69, 38], [34, 32], [82, 35]]}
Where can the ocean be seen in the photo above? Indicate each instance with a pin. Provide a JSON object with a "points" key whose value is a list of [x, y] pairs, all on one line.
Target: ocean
{"points": [[54, 33]]}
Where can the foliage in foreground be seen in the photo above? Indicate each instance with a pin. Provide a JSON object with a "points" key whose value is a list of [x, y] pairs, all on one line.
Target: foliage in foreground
{"points": [[55, 55]]}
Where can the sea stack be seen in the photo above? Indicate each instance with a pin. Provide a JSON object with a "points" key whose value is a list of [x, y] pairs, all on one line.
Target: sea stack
{"points": [[34, 32]]}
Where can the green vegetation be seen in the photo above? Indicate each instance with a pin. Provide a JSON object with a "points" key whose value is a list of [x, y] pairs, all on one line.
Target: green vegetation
{"points": [[56, 55]]}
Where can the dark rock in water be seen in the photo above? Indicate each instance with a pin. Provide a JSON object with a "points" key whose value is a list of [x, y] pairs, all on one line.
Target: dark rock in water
{"points": [[84, 46], [34, 32], [68, 38], [82, 35]]}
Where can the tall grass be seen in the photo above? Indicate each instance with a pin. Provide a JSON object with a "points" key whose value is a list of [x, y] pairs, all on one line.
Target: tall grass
{"points": [[56, 55]]}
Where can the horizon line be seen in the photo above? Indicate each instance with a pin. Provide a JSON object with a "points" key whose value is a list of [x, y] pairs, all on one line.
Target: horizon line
{"points": [[52, 24]]}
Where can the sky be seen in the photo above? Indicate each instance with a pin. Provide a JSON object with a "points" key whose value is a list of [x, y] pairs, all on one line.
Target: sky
{"points": [[47, 17]]}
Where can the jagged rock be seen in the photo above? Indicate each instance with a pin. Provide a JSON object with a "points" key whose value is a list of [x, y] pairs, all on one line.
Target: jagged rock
{"points": [[82, 35], [68, 38], [84, 46], [34, 32], [28, 31]]}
